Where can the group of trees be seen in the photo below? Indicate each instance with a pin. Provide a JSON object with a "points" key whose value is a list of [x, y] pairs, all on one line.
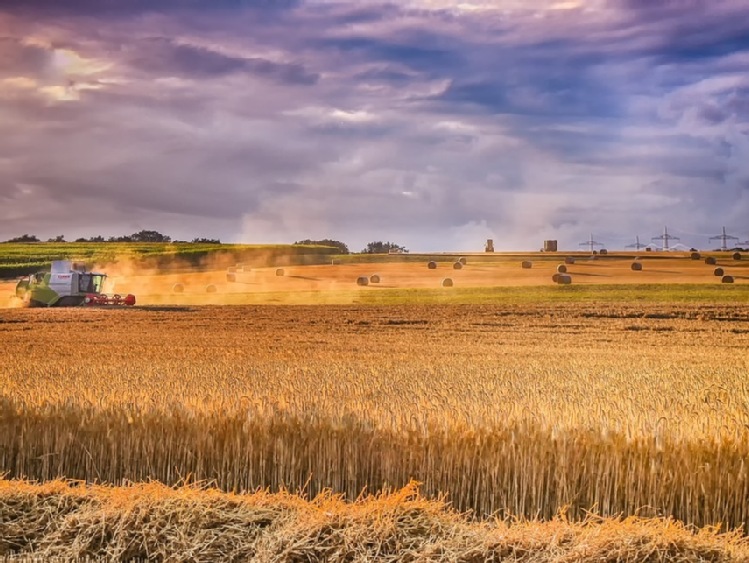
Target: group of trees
{"points": [[376, 247], [141, 236]]}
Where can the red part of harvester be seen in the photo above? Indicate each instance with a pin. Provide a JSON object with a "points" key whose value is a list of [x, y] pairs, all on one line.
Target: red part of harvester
{"points": [[94, 299]]}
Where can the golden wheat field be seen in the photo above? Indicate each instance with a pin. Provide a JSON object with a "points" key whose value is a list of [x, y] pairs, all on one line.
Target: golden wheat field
{"points": [[536, 432]]}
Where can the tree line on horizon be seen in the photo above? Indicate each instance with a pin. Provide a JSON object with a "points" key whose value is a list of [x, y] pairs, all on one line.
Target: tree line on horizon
{"points": [[375, 247]]}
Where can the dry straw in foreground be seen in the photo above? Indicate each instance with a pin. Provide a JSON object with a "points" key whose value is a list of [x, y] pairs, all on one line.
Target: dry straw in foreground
{"points": [[61, 521]]}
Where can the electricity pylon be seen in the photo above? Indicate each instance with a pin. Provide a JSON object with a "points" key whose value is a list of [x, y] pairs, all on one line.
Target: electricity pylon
{"points": [[591, 243], [724, 238], [665, 237], [637, 245]]}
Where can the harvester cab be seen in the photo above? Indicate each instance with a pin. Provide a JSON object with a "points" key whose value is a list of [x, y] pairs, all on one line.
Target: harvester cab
{"points": [[67, 285]]}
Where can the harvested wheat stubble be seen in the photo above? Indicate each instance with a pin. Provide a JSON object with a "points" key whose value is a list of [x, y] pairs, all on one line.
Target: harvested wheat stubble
{"points": [[636, 266], [57, 521], [178, 288], [432, 265], [526, 264]]}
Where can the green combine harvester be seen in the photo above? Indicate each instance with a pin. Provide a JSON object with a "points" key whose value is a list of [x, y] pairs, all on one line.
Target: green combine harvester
{"points": [[67, 285]]}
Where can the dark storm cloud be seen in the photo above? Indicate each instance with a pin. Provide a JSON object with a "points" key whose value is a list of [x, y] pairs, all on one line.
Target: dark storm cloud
{"points": [[164, 57]]}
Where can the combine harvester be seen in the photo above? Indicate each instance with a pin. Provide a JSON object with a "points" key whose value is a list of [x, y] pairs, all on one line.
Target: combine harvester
{"points": [[67, 285]]}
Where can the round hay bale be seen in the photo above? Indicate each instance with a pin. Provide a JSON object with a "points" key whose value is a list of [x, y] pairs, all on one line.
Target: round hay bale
{"points": [[362, 280], [458, 265], [279, 272], [374, 278], [636, 266], [335, 262], [718, 272], [603, 252], [569, 260], [230, 277], [561, 269], [710, 261], [595, 253], [231, 269], [526, 265], [447, 282], [695, 256], [432, 265], [555, 278], [178, 288], [737, 256], [564, 279], [462, 260], [726, 279], [210, 288]]}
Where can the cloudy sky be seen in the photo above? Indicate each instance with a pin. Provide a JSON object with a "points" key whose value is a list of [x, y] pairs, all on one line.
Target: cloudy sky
{"points": [[435, 124]]}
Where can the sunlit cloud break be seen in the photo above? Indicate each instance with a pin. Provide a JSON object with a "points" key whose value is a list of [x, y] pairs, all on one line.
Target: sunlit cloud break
{"points": [[433, 124]]}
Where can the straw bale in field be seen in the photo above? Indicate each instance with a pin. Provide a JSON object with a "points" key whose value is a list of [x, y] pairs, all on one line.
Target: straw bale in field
{"points": [[231, 277], [710, 261], [432, 265], [569, 260], [210, 288], [727, 279], [462, 260], [737, 256], [564, 279], [231, 269], [374, 278], [561, 269], [178, 288], [362, 280], [718, 272], [527, 264], [603, 252], [555, 278], [447, 282], [636, 266], [457, 265], [279, 272], [695, 256]]}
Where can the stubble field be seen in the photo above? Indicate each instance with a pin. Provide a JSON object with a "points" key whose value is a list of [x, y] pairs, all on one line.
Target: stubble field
{"points": [[552, 411]]}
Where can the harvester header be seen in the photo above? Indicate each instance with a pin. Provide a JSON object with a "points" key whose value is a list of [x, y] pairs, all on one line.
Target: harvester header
{"points": [[67, 285]]}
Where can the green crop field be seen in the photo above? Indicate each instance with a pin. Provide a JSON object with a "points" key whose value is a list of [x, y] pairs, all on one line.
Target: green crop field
{"points": [[17, 259]]}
